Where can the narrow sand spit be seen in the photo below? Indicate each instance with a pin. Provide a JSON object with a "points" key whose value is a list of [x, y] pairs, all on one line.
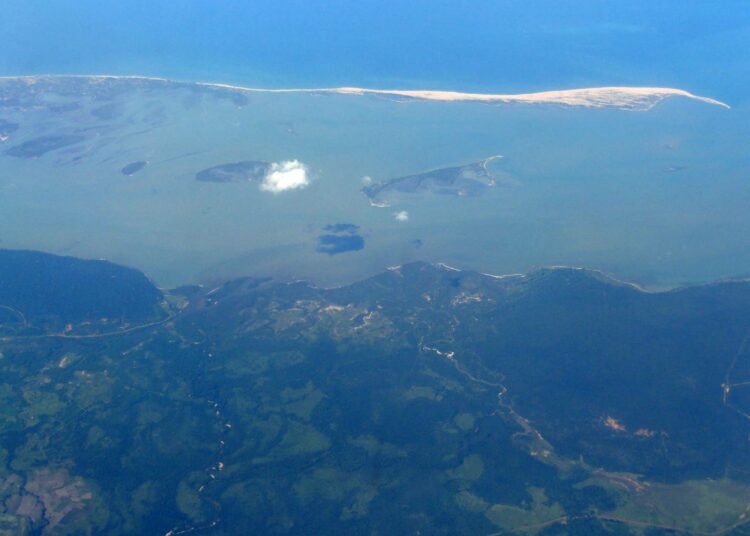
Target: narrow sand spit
{"points": [[627, 98]]}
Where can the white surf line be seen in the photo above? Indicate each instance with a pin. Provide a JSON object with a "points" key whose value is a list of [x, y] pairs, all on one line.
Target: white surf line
{"points": [[504, 276], [446, 267], [613, 278], [623, 97], [601, 273]]}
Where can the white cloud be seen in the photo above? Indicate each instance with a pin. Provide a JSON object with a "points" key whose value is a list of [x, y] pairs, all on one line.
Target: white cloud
{"points": [[366, 180], [401, 215], [286, 175]]}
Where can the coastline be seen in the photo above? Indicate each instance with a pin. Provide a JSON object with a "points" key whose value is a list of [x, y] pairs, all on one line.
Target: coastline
{"points": [[632, 98], [109, 81]]}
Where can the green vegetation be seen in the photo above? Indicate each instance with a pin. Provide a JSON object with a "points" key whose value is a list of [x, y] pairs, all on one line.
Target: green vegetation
{"points": [[557, 403], [539, 512], [703, 506]]}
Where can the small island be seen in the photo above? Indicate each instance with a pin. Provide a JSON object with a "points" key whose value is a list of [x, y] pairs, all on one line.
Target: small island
{"points": [[467, 180], [133, 167], [249, 170]]}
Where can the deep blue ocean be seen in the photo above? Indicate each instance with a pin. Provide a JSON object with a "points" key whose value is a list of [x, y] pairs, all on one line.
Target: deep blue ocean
{"points": [[499, 46]]}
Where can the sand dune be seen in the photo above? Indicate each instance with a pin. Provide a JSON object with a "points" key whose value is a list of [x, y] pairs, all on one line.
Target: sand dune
{"points": [[626, 98], [632, 98]]}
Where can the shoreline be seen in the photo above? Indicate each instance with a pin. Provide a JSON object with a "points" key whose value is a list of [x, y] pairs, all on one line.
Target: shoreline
{"points": [[609, 277], [633, 98]]}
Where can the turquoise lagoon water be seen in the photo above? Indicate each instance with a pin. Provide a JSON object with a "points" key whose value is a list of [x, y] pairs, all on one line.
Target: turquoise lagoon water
{"points": [[659, 197]]}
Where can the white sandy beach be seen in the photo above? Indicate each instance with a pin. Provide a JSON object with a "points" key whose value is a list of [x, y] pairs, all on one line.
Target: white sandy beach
{"points": [[622, 97]]}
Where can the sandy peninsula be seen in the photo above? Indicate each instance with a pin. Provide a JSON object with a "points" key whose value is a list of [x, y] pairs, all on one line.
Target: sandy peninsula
{"points": [[620, 97]]}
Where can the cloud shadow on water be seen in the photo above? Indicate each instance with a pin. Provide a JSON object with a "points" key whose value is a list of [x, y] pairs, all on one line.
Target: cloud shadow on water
{"points": [[340, 238]]}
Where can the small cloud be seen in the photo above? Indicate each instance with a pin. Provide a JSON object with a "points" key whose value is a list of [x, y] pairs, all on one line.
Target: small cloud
{"points": [[401, 215], [366, 180], [286, 175]]}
